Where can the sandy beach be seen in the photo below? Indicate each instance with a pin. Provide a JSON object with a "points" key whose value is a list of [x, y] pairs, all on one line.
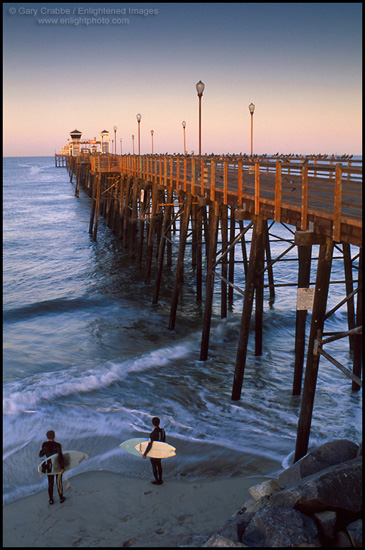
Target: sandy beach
{"points": [[105, 509]]}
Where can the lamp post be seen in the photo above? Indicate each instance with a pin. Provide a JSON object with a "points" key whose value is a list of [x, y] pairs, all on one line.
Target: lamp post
{"points": [[251, 108], [152, 139], [200, 89], [133, 142], [184, 126], [139, 133], [115, 139], [121, 146]]}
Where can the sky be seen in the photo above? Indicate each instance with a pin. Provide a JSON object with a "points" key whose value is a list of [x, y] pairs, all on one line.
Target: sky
{"points": [[70, 66]]}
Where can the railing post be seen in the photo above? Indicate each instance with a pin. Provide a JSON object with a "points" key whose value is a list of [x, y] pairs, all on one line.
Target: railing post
{"points": [[171, 171], [165, 170], [193, 176], [257, 188], [278, 192], [337, 205], [177, 173], [212, 180], [239, 190], [185, 172], [225, 181], [304, 207], [202, 177]]}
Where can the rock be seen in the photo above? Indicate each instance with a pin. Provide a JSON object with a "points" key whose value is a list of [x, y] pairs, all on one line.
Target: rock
{"points": [[266, 488], [234, 528], [254, 505], [354, 529], [282, 527], [218, 540], [336, 488], [342, 540], [194, 541], [359, 451], [328, 454], [326, 523]]}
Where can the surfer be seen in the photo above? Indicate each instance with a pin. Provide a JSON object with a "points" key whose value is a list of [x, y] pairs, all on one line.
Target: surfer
{"points": [[158, 434], [50, 448]]}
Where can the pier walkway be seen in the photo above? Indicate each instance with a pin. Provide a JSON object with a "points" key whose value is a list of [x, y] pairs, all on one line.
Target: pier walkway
{"points": [[319, 197]]}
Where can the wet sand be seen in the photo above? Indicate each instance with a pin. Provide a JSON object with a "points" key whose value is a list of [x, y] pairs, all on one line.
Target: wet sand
{"points": [[105, 509]]}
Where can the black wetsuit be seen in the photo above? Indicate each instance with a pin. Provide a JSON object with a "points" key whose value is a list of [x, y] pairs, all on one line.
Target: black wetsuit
{"points": [[50, 448], [158, 434]]}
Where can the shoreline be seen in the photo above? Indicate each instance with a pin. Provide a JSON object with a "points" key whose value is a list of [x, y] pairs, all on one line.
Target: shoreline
{"points": [[106, 509]]}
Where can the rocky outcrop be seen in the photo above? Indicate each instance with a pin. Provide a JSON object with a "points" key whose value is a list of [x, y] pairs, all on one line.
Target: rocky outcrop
{"points": [[316, 502], [323, 457]]}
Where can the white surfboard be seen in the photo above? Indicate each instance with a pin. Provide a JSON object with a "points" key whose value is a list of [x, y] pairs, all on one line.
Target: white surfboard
{"points": [[52, 466], [130, 445], [159, 449]]}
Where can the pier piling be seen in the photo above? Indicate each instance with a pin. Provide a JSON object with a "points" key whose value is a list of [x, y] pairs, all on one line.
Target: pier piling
{"points": [[146, 200]]}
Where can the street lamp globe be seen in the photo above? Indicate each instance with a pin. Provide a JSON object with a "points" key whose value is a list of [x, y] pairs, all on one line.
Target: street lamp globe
{"points": [[183, 124], [251, 108], [139, 117], [200, 88]]}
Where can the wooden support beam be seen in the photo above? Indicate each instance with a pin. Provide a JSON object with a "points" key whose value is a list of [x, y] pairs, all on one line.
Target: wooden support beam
{"points": [[231, 256], [358, 339], [224, 234], [97, 206], [126, 211], [161, 248], [213, 239], [259, 294], [77, 186], [307, 238], [311, 370], [121, 192], [349, 289], [304, 267], [151, 233], [133, 220], [199, 258], [168, 236], [180, 262], [243, 246], [270, 273], [253, 267], [143, 201], [194, 234], [93, 203]]}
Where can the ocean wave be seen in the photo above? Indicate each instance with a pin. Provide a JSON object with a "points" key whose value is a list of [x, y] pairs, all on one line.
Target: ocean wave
{"points": [[45, 307], [50, 386]]}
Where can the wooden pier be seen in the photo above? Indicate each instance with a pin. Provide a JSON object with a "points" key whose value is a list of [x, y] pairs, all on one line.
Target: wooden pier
{"points": [[320, 197]]}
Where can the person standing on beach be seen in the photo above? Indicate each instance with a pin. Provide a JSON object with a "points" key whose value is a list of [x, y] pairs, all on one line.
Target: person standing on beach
{"points": [[158, 434], [49, 448]]}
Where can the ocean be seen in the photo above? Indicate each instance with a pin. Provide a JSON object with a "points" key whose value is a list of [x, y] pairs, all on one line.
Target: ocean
{"points": [[87, 354]]}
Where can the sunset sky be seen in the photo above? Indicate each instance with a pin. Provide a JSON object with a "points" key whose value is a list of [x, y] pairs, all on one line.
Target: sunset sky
{"points": [[300, 64]]}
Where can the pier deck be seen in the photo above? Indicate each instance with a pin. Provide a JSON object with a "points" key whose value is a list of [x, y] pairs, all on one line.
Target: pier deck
{"points": [[310, 194]]}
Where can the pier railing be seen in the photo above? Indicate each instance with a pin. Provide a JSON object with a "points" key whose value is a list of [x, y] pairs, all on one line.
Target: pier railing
{"points": [[299, 190]]}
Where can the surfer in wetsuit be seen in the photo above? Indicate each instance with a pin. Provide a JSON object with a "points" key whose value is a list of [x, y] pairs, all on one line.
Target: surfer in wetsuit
{"points": [[49, 448], [158, 434]]}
